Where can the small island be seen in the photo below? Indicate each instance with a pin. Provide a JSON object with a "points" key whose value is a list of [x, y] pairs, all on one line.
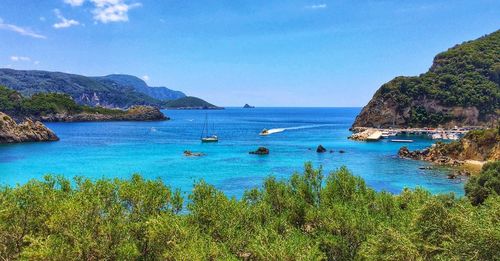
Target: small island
{"points": [[248, 106]]}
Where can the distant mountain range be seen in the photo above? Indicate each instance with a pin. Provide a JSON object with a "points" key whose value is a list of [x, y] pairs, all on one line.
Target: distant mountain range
{"points": [[462, 87], [111, 91], [123, 80]]}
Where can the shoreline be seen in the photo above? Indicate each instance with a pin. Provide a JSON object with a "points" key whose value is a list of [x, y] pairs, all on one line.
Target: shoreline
{"points": [[374, 134]]}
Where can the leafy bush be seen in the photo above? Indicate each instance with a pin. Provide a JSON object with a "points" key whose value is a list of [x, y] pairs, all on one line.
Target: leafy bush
{"points": [[307, 217], [487, 183]]}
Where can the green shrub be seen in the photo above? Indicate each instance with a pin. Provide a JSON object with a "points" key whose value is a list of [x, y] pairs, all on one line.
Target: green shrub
{"points": [[302, 218]]}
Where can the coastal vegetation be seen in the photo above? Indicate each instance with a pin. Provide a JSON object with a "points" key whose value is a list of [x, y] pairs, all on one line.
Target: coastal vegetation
{"points": [[310, 216], [462, 87], [61, 107], [14, 103], [188, 102], [480, 187]]}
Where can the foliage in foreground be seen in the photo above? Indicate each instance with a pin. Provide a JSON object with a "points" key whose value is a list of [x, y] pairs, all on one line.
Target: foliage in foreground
{"points": [[308, 217], [488, 183]]}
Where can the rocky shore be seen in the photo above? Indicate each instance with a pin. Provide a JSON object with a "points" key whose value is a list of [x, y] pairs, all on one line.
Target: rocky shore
{"points": [[429, 154], [475, 146], [136, 113], [27, 131], [361, 133]]}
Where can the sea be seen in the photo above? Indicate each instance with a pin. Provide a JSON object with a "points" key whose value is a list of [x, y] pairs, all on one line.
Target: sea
{"points": [[156, 151]]}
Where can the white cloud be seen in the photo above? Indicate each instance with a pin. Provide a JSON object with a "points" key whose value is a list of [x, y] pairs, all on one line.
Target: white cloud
{"points": [[145, 78], [42, 18], [107, 11], [19, 30], [36, 62], [20, 58], [317, 6], [112, 10], [74, 2], [63, 22]]}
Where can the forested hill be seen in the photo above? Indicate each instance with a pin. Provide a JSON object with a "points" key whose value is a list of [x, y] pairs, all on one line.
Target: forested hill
{"points": [[123, 80], [112, 91], [462, 87]]}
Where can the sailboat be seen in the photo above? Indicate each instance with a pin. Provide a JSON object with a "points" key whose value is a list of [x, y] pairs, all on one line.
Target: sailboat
{"points": [[205, 136]]}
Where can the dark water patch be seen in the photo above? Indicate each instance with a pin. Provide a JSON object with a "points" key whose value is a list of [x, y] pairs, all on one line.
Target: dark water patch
{"points": [[239, 183]]}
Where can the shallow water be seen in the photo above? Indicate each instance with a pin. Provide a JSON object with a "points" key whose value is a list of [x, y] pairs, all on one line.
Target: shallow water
{"points": [[155, 150]]}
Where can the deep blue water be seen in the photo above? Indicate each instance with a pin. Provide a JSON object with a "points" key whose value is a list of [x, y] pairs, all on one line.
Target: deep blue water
{"points": [[155, 150]]}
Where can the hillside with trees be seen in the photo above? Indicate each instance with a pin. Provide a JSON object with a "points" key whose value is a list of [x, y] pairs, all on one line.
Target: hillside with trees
{"points": [[112, 91], [462, 87], [61, 107]]}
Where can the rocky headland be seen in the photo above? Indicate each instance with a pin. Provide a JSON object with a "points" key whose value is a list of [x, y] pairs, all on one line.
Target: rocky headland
{"points": [[136, 113], [27, 131], [478, 146], [461, 88]]}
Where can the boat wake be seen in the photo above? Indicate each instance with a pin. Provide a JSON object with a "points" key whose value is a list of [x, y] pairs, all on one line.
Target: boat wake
{"points": [[278, 130]]}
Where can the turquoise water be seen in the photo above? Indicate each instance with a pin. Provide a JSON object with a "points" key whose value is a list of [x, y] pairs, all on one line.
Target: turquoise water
{"points": [[155, 150]]}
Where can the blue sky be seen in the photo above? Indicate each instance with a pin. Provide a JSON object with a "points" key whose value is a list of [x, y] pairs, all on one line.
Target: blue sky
{"points": [[231, 52]]}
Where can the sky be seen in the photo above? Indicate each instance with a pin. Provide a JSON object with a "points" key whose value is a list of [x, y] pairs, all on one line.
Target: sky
{"points": [[307, 53]]}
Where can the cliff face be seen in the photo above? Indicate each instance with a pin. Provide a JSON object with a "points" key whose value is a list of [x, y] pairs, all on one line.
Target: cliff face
{"points": [[11, 132], [462, 87], [481, 145]]}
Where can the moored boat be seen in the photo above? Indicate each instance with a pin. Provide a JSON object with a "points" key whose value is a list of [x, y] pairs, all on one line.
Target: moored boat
{"points": [[205, 136], [212, 138], [408, 141]]}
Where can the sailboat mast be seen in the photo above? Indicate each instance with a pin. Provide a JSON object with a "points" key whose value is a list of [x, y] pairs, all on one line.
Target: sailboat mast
{"points": [[205, 127]]}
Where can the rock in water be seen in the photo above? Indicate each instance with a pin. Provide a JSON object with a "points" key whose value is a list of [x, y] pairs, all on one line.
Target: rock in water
{"points": [[260, 151], [189, 153], [320, 149], [11, 132]]}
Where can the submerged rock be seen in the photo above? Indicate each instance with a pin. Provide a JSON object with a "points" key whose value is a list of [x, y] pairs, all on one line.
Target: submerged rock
{"points": [[11, 132], [320, 149], [260, 151], [189, 153], [341, 151]]}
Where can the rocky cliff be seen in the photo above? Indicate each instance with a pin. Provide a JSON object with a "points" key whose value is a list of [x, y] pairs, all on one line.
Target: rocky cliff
{"points": [[11, 132], [462, 87], [480, 145]]}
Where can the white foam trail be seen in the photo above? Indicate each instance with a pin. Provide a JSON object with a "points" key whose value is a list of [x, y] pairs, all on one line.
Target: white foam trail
{"points": [[271, 131]]}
